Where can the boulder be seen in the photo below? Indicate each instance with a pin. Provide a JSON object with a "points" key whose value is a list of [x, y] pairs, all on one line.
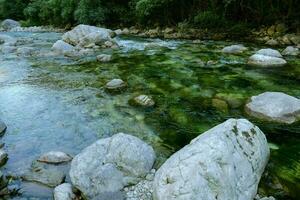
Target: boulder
{"points": [[115, 85], [63, 48], [9, 24], [118, 32], [3, 157], [25, 51], [234, 49], [84, 35], [274, 106], [2, 127], [269, 52], [266, 61], [7, 40], [110, 164], [272, 42], [143, 100], [104, 58], [64, 192], [290, 51], [225, 162], [55, 157]]}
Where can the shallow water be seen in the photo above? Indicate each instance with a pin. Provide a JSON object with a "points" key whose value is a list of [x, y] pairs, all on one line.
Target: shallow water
{"points": [[58, 103]]}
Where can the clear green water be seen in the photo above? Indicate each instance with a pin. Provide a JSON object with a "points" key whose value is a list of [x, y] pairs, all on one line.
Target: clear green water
{"points": [[57, 103]]}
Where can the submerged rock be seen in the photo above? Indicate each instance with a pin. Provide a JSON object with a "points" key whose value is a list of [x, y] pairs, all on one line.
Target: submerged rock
{"points": [[266, 61], [290, 51], [7, 40], [272, 42], [220, 105], [269, 52], [110, 164], [234, 49], [2, 127], [274, 106], [64, 192], [143, 100], [9, 24], [115, 85], [55, 157], [25, 51], [3, 157], [226, 162], [104, 58]]}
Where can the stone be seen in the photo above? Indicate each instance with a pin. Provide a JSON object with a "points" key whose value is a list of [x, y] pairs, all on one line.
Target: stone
{"points": [[295, 39], [64, 192], [271, 30], [62, 47], [2, 127], [266, 61], [125, 31], [115, 85], [286, 40], [104, 58], [7, 40], [55, 157], [25, 51], [269, 52], [290, 51], [143, 100], [274, 106], [9, 24], [225, 162], [234, 49], [108, 43], [118, 32], [8, 49], [3, 157], [110, 164], [84, 35], [272, 42], [220, 105], [280, 28]]}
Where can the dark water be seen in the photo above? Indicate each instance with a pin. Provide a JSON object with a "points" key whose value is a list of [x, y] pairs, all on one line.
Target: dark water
{"points": [[56, 103]]}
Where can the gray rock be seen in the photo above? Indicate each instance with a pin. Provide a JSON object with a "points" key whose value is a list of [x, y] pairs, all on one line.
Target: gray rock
{"points": [[63, 48], [269, 52], [3, 157], [143, 100], [274, 106], [104, 58], [7, 40], [55, 157], [266, 61], [290, 51], [272, 42], [110, 164], [2, 127], [234, 49], [64, 192], [25, 51], [225, 162], [8, 49], [9, 24], [115, 84]]}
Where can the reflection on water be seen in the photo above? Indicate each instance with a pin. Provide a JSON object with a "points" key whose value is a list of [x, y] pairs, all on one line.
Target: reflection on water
{"points": [[50, 103]]}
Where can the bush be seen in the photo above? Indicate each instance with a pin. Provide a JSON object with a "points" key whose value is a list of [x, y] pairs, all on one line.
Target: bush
{"points": [[208, 19]]}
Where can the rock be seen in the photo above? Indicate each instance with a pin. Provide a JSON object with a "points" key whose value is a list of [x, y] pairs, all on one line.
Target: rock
{"points": [[84, 35], [274, 106], [143, 100], [220, 105], [62, 47], [9, 24], [268, 198], [55, 157], [225, 162], [7, 40], [266, 61], [125, 31], [295, 39], [233, 100], [234, 49], [168, 30], [108, 44], [271, 30], [25, 51], [104, 58], [118, 32], [110, 164], [64, 192], [8, 49], [280, 28], [3, 157], [269, 52], [115, 85], [286, 40], [272, 42], [2, 128], [290, 51]]}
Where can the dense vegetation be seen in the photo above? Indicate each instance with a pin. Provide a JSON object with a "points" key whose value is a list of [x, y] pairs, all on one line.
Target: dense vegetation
{"points": [[198, 13]]}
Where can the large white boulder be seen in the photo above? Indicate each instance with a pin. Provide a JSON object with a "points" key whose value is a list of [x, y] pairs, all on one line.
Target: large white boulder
{"points": [[64, 192], [234, 49], [84, 35], [290, 51], [110, 164], [226, 162], [62, 47], [274, 106], [9, 24], [266, 61], [269, 52]]}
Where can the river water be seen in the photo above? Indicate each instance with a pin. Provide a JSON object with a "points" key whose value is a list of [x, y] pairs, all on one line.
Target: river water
{"points": [[56, 103]]}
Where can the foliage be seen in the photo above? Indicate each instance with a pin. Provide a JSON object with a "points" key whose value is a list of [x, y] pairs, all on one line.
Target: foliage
{"points": [[209, 19]]}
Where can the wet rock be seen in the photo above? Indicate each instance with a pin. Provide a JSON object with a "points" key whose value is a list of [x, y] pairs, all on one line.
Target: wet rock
{"points": [[118, 32], [269, 52], [64, 192], [115, 85], [7, 40], [62, 47], [50, 176], [9, 24], [290, 51], [272, 42], [110, 164], [233, 100], [125, 31], [8, 49], [55, 157], [2, 127], [225, 162], [104, 58], [25, 51], [3, 157], [108, 44], [274, 106], [266, 61], [234, 49], [143, 100], [84, 35], [220, 105]]}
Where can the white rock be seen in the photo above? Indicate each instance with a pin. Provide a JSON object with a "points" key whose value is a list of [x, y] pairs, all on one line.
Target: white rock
{"points": [[104, 58], [266, 61], [9, 24], [226, 162], [7, 40], [64, 192], [290, 51], [115, 84], [63, 48], [55, 157], [274, 106], [25, 51], [269, 52], [272, 42], [234, 49], [118, 32], [110, 164], [144, 100]]}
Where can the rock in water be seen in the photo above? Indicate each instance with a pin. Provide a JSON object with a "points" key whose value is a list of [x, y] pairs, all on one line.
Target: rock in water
{"points": [[110, 164], [291, 51], [2, 128], [84, 35], [3, 157], [269, 52], [55, 157], [104, 58], [266, 61], [7, 40], [274, 106], [64, 192], [63, 48], [226, 162], [9, 24], [115, 85], [143, 100], [234, 49]]}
